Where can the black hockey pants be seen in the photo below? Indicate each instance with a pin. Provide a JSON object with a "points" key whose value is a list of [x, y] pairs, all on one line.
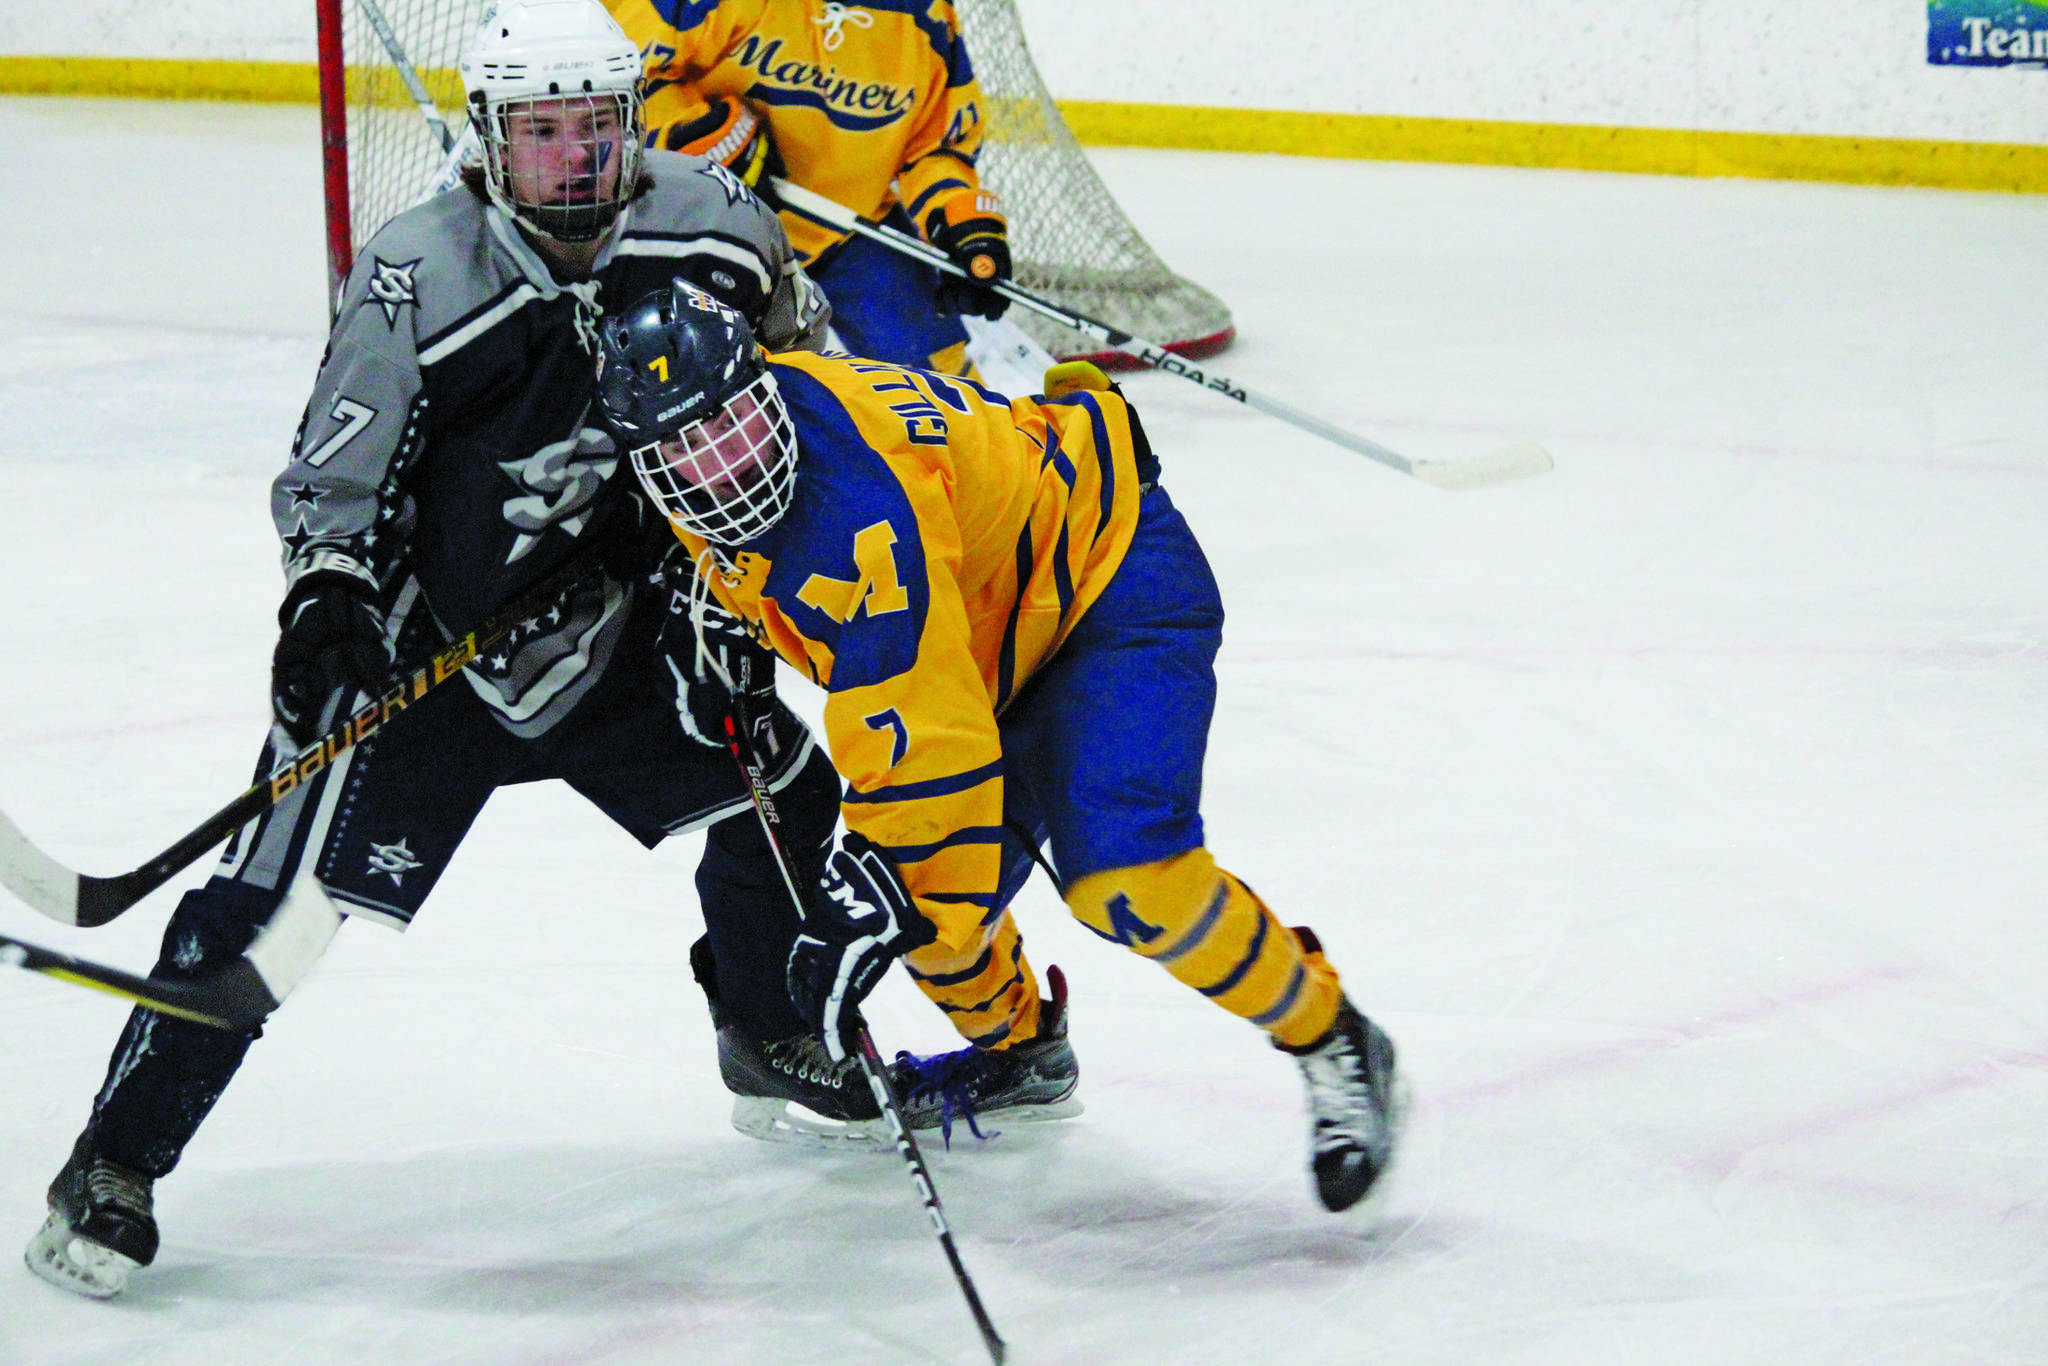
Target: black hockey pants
{"points": [[383, 822]]}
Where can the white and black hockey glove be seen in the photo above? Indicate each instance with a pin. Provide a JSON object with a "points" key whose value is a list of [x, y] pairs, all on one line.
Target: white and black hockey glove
{"points": [[862, 921], [330, 641], [718, 668]]}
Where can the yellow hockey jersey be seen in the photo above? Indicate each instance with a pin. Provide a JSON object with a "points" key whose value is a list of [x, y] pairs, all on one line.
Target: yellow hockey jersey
{"points": [[942, 542], [870, 104]]}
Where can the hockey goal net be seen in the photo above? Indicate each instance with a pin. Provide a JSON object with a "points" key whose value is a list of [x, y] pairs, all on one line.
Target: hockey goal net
{"points": [[385, 63]]}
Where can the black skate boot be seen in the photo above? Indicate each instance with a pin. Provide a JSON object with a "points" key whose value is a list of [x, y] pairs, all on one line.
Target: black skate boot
{"points": [[100, 1227], [1355, 1107], [1026, 1082], [788, 1090]]}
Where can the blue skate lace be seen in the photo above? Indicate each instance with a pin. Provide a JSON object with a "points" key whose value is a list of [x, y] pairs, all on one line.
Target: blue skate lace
{"points": [[944, 1076]]}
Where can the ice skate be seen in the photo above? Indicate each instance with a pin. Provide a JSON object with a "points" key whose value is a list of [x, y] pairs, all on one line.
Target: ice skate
{"points": [[1027, 1082], [1356, 1105], [101, 1227], [790, 1091]]}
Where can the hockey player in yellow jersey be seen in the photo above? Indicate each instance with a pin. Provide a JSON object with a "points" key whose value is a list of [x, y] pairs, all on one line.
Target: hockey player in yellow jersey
{"points": [[873, 105], [991, 593]]}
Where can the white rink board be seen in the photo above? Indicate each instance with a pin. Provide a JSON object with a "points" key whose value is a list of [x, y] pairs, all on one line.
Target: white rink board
{"points": [[1720, 65], [1679, 812], [1759, 66]]}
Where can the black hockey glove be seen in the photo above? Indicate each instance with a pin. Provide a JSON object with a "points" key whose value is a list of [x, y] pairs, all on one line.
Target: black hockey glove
{"points": [[861, 920], [979, 246], [331, 641], [723, 672], [628, 538]]}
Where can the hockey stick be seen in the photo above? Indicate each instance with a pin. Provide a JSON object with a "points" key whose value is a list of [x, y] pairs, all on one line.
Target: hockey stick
{"points": [[454, 148], [1515, 461], [186, 1000], [75, 898], [414, 86], [239, 996], [870, 1059]]}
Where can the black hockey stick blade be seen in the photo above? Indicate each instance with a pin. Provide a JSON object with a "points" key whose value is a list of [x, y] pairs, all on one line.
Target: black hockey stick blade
{"points": [[236, 999], [75, 898]]}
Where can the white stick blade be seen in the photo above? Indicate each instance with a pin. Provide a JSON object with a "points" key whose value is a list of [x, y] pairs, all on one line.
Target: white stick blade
{"points": [[1518, 461], [298, 933], [35, 877]]}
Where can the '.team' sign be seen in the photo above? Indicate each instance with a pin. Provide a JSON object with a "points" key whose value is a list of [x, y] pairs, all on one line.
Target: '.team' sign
{"points": [[1987, 33]]}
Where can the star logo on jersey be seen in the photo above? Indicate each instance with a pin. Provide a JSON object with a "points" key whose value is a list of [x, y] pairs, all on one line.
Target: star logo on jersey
{"points": [[392, 287], [297, 539], [735, 188], [394, 860], [305, 495], [559, 483], [189, 951]]}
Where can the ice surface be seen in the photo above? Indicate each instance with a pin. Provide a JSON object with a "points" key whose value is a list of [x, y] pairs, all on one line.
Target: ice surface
{"points": [[1681, 813]]}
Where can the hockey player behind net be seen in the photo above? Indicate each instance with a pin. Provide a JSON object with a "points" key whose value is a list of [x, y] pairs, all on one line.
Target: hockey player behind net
{"points": [[988, 593], [444, 464], [873, 107]]}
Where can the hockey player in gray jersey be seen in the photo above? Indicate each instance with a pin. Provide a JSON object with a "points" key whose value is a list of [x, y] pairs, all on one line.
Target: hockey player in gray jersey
{"points": [[449, 459]]}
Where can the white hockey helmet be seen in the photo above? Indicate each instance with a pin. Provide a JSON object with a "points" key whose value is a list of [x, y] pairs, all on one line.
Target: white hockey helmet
{"points": [[554, 93]]}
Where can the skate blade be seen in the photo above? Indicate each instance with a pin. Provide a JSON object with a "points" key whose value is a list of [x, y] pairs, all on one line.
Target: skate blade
{"points": [[77, 1264], [1014, 1114], [773, 1120]]}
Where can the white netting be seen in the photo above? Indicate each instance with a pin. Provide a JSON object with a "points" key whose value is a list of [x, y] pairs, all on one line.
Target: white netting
{"points": [[1071, 241], [393, 152]]}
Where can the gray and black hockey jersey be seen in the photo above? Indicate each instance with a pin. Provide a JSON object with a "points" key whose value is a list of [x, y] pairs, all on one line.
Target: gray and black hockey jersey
{"points": [[451, 449]]}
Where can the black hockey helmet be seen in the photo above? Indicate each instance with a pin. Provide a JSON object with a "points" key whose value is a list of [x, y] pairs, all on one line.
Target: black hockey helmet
{"points": [[669, 359], [689, 393]]}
